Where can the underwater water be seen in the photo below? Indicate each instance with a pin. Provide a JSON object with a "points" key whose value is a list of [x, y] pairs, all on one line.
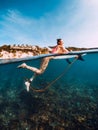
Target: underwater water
{"points": [[69, 102]]}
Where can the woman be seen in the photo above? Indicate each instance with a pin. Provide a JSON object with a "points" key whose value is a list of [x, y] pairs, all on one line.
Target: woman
{"points": [[59, 49]]}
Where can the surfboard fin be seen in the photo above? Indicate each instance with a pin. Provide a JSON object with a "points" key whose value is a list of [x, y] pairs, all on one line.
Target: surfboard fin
{"points": [[68, 61], [80, 58]]}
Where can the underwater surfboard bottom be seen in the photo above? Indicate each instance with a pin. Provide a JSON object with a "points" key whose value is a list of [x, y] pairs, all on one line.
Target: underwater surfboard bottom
{"points": [[8, 61], [65, 57]]}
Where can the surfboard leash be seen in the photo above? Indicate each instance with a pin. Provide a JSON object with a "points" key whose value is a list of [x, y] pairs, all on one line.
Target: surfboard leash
{"points": [[44, 89]]}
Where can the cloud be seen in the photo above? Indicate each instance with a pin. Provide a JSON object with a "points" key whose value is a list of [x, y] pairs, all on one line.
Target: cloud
{"points": [[82, 28], [17, 28], [77, 24], [90, 3]]}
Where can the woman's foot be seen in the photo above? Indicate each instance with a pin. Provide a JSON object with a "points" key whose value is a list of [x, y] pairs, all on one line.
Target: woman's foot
{"points": [[27, 83], [22, 65]]}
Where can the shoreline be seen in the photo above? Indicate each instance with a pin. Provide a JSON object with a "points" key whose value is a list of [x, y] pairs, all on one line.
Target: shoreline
{"points": [[10, 52], [17, 54]]}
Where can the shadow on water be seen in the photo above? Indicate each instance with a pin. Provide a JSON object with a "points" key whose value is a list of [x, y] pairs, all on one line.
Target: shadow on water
{"points": [[70, 103]]}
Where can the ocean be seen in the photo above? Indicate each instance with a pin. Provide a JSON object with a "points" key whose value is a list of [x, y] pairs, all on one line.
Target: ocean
{"points": [[69, 100]]}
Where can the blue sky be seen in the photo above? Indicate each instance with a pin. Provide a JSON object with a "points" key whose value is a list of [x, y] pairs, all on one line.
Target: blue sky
{"points": [[41, 22]]}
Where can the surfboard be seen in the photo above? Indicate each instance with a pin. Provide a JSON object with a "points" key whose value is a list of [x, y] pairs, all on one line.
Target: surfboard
{"points": [[69, 55]]}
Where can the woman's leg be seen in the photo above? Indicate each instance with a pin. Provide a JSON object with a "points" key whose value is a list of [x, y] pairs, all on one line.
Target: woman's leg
{"points": [[34, 69], [43, 66]]}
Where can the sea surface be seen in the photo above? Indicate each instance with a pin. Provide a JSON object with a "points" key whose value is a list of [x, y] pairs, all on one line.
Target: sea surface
{"points": [[69, 100]]}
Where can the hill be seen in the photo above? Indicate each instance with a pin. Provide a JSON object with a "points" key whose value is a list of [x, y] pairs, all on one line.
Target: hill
{"points": [[18, 51]]}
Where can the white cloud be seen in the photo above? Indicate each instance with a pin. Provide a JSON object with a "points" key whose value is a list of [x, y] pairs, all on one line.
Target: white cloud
{"points": [[82, 29], [20, 29], [90, 3], [77, 25], [17, 28]]}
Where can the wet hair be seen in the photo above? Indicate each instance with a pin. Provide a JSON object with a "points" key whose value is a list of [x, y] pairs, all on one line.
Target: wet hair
{"points": [[58, 40]]}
